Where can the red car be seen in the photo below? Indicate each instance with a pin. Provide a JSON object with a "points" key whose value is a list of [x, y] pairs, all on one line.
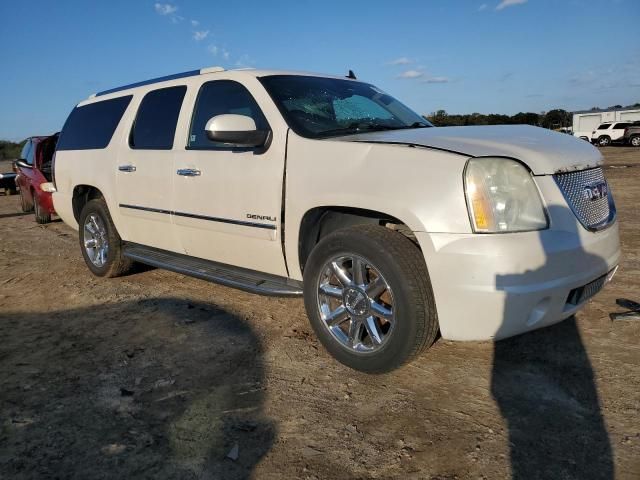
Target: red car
{"points": [[33, 169]]}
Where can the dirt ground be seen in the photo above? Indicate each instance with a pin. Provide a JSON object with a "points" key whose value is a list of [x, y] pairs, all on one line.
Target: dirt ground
{"points": [[156, 375]]}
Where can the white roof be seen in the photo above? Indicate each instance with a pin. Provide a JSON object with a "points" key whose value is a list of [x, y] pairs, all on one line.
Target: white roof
{"points": [[210, 71]]}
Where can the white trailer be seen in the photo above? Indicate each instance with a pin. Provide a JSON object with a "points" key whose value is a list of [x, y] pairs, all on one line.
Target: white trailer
{"points": [[586, 121]]}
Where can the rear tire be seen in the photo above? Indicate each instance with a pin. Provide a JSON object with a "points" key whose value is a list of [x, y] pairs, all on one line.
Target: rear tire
{"points": [[100, 243], [42, 217], [374, 332], [635, 141], [25, 204]]}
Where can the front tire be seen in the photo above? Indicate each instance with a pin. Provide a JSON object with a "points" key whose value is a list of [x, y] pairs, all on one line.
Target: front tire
{"points": [[635, 141], [368, 296], [100, 242], [604, 141]]}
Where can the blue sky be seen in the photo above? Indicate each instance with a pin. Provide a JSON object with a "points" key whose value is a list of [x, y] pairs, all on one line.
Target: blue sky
{"points": [[489, 56]]}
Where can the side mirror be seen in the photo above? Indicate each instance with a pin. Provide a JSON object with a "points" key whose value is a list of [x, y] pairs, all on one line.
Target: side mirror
{"points": [[238, 130], [21, 162]]}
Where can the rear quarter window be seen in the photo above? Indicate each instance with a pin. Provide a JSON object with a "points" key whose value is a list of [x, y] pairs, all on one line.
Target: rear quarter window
{"points": [[91, 126]]}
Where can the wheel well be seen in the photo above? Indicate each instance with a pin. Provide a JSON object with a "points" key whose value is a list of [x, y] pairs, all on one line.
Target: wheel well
{"points": [[81, 195], [321, 221]]}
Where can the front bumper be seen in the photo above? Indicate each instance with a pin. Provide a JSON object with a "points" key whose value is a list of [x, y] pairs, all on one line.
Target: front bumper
{"points": [[496, 286]]}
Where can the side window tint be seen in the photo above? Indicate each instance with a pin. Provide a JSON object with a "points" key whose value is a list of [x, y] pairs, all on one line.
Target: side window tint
{"points": [[31, 155], [621, 125], [25, 150], [155, 123], [216, 98], [91, 126]]}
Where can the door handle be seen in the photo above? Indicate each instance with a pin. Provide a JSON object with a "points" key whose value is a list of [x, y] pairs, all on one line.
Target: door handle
{"points": [[189, 172], [127, 168]]}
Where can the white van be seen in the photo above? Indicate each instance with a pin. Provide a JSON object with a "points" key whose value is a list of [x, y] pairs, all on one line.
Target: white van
{"points": [[286, 183]]}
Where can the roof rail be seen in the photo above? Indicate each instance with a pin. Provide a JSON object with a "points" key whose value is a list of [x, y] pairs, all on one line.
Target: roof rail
{"points": [[190, 73]]}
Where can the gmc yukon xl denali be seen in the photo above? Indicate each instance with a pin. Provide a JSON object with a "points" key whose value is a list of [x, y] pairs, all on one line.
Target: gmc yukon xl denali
{"points": [[296, 184]]}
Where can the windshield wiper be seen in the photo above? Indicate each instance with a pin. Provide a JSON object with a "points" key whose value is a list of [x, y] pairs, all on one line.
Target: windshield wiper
{"points": [[357, 127], [415, 125], [360, 127]]}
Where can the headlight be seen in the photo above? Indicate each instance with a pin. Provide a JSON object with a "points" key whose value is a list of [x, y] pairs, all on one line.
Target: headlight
{"points": [[502, 197]]}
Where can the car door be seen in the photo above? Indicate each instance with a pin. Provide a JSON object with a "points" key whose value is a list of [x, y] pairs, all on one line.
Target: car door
{"points": [[144, 170], [26, 180], [618, 131], [227, 200], [21, 178]]}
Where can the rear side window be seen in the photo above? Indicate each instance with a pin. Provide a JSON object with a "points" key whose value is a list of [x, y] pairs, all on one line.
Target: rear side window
{"points": [[92, 126], [155, 124], [216, 98], [621, 125]]}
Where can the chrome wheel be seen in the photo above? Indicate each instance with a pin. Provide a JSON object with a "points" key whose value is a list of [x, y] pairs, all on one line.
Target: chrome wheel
{"points": [[96, 241], [356, 303], [635, 141], [604, 141]]}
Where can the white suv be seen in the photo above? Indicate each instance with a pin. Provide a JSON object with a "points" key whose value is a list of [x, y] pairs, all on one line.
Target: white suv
{"points": [[608, 133], [285, 183]]}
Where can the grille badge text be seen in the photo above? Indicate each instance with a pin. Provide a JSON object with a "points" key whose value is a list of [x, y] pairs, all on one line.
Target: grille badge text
{"points": [[595, 191]]}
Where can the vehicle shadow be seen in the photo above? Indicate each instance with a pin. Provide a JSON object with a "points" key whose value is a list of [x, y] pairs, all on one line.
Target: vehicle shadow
{"points": [[157, 388], [14, 214], [543, 382]]}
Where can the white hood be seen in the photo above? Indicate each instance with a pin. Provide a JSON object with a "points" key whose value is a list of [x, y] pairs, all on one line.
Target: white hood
{"points": [[544, 151]]}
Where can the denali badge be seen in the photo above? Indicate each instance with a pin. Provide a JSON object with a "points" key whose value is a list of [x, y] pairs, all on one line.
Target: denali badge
{"points": [[261, 217], [595, 191]]}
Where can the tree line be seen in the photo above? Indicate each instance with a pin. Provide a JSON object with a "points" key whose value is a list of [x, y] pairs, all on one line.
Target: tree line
{"points": [[553, 119], [10, 150]]}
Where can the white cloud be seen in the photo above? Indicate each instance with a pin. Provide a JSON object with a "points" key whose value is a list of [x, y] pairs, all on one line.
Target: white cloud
{"points": [[509, 3], [200, 35], [244, 61], [165, 8], [213, 49], [225, 54], [195, 23], [436, 80], [400, 61], [411, 74], [482, 7]]}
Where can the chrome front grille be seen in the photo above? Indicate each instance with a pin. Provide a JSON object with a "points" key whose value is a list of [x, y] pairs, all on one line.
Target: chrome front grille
{"points": [[587, 193]]}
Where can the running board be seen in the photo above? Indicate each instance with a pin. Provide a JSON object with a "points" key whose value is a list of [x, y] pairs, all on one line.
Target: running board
{"points": [[230, 276]]}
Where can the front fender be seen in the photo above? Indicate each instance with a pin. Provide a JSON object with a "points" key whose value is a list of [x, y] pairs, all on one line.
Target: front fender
{"points": [[421, 187]]}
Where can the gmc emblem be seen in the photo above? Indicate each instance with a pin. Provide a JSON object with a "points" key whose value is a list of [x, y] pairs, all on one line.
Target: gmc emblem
{"points": [[595, 191]]}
